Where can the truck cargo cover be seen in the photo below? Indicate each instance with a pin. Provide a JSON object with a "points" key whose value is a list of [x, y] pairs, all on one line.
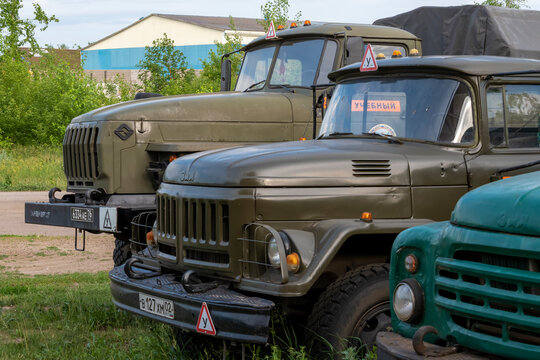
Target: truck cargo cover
{"points": [[472, 30]]}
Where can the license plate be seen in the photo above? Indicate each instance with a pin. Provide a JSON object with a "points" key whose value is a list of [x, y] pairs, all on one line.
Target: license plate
{"points": [[156, 306], [82, 214]]}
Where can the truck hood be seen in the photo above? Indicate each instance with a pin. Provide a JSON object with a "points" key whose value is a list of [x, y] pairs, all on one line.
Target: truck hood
{"points": [[316, 163], [511, 206], [227, 106]]}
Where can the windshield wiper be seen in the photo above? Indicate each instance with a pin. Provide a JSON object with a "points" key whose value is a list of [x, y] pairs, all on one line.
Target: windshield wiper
{"points": [[337, 133], [283, 86], [253, 85], [390, 138]]}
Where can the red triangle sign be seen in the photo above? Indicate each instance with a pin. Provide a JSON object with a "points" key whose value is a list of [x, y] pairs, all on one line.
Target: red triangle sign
{"points": [[271, 33], [205, 324], [368, 62]]}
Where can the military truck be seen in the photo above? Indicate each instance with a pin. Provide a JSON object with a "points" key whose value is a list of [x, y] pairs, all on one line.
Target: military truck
{"points": [[471, 285], [114, 157], [309, 225]]}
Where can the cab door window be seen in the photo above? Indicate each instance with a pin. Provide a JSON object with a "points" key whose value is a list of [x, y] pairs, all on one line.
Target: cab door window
{"points": [[514, 116]]}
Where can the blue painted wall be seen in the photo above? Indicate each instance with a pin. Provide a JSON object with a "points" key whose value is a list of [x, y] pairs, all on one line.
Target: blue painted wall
{"points": [[127, 59]]}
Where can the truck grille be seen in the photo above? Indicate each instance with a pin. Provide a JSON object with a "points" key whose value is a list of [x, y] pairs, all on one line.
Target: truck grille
{"points": [[80, 153], [202, 225], [378, 168], [491, 294]]}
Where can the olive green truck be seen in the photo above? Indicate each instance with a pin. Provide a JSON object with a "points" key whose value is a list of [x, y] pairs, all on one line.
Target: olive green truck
{"points": [[471, 285], [308, 226], [114, 157]]}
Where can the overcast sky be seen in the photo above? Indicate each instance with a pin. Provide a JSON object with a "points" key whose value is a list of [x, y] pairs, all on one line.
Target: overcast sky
{"points": [[85, 21]]}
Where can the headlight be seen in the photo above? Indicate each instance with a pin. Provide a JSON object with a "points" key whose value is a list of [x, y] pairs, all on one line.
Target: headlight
{"points": [[408, 301], [273, 253]]}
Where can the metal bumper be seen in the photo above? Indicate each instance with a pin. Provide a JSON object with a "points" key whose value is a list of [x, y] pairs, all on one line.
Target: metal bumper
{"points": [[235, 316], [79, 216], [392, 346]]}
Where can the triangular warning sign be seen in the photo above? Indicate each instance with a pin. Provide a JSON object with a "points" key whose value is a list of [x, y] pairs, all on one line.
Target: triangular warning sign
{"points": [[368, 62], [107, 222], [205, 324], [271, 33]]}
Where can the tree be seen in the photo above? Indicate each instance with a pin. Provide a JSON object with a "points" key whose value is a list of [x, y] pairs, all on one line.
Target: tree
{"points": [[16, 32], [278, 12], [514, 4], [164, 68], [212, 65]]}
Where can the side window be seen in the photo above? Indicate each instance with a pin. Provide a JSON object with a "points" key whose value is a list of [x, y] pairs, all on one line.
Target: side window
{"points": [[495, 107], [514, 116], [523, 103]]}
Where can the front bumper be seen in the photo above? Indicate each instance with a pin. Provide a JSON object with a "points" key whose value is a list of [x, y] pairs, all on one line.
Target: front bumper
{"points": [[79, 216], [235, 316], [392, 346]]}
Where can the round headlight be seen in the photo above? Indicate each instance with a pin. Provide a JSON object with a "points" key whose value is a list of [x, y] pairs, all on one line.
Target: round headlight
{"points": [[273, 253], [408, 301]]}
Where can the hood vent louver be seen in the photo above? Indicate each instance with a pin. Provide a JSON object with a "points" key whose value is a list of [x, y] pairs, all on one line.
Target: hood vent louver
{"points": [[377, 168]]}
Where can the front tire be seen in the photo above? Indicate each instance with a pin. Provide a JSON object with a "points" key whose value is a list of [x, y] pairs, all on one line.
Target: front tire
{"points": [[351, 311], [122, 251]]}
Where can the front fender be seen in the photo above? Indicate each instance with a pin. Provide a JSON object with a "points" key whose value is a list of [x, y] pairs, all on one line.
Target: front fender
{"points": [[330, 235]]}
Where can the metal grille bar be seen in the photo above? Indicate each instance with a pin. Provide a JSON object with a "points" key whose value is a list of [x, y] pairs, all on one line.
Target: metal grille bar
{"points": [[81, 152]]}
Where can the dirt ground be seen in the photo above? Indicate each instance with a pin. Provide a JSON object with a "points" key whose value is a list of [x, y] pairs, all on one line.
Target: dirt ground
{"points": [[39, 250], [43, 255]]}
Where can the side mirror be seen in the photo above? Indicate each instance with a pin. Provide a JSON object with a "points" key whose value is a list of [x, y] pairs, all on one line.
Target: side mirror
{"points": [[225, 75]]}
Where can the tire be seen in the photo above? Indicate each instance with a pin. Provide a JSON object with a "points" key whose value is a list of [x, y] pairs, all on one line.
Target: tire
{"points": [[351, 312], [121, 252]]}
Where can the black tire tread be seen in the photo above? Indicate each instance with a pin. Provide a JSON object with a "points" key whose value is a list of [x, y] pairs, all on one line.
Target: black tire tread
{"points": [[331, 302], [121, 252]]}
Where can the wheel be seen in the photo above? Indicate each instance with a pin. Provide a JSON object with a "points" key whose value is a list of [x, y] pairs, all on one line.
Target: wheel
{"points": [[351, 311], [122, 251]]}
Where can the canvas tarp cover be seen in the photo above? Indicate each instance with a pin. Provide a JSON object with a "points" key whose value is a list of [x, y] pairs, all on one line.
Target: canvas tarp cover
{"points": [[472, 30]]}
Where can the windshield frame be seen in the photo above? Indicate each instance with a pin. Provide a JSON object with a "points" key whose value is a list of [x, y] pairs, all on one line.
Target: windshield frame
{"points": [[414, 75], [277, 47]]}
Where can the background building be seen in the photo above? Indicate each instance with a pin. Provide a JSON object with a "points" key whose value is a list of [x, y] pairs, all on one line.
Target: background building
{"points": [[195, 36]]}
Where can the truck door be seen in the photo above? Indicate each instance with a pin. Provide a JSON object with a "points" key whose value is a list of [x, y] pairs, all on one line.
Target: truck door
{"points": [[510, 131]]}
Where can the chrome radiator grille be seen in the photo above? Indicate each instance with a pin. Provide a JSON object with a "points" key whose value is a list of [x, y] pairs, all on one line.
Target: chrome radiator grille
{"points": [[80, 152]]}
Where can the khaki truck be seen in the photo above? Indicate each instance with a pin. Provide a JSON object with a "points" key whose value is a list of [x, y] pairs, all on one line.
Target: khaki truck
{"points": [[114, 157], [470, 286], [307, 227]]}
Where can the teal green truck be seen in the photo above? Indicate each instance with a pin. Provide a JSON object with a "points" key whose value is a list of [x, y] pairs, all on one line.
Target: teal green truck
{"points": [[470, 285]]}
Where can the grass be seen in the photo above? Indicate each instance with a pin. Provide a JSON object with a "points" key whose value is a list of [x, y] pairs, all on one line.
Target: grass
{"points": [[31, 168], [72, 317]]}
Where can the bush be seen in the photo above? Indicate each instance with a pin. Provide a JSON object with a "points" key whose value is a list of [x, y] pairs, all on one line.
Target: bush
{"points": [[38, 101]]}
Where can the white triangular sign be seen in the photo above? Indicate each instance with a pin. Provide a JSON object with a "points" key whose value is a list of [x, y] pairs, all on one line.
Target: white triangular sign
{"points": [[368, 62], [271, 33], [205, 324]]}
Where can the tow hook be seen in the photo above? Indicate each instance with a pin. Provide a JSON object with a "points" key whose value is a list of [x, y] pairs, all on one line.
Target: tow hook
{"points": [[420, 347], [68, 198], [134, 274], [192, 284]]}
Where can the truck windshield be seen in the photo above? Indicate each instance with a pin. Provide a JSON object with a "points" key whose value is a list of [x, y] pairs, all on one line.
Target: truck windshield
{"points": [[416, 108], [296, 64]]}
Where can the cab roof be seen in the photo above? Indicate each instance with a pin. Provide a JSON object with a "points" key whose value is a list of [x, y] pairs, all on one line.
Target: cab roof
{"points": [[470, 65], [330, 29]]}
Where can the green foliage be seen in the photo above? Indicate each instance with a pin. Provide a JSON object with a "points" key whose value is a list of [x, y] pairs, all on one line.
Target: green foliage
{"points": [[277, 11], [31, 168], [16, 32], [211, 72], [38, 101], [514, 4], [164, 69]]}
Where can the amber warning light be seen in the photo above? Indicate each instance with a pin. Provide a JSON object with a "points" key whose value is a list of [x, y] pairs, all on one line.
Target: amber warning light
{"points": [[367, 216]]}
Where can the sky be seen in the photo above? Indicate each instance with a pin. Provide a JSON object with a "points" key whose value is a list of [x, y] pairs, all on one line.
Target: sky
{"points": [[86, 21]]}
